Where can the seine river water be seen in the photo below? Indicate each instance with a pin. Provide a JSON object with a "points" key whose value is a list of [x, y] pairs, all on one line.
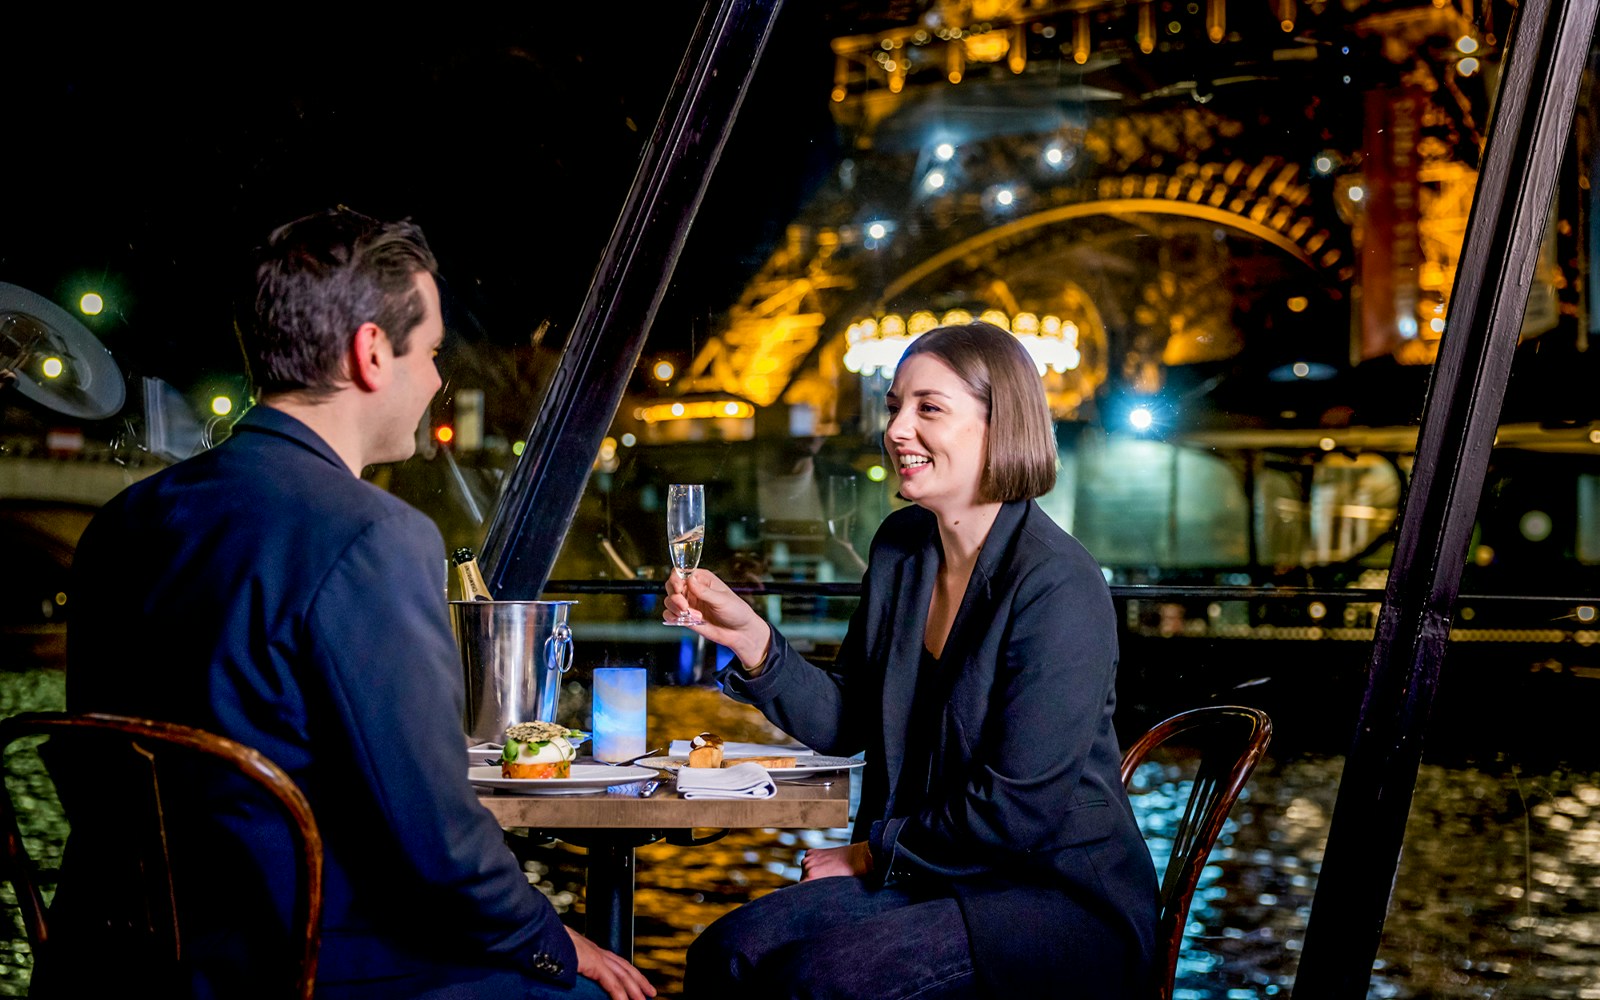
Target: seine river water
{"points": [[1498, 893]]}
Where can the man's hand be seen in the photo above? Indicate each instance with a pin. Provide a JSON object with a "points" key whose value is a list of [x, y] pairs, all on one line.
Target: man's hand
{"points": [[824, 862], [617, 977]]}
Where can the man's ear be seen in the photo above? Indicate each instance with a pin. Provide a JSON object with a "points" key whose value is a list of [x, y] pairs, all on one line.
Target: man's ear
{"points": [[371, 357]]}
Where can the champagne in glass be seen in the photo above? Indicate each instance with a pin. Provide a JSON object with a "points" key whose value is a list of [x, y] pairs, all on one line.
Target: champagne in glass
{"points": [[686, 534]]}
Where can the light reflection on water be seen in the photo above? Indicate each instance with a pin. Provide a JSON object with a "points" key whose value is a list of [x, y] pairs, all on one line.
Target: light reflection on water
{"points": [[1497, 896], [30, 789]]}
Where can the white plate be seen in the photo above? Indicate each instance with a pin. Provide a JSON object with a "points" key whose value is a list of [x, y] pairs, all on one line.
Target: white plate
{"points": [[813, 764], [586, 778]]}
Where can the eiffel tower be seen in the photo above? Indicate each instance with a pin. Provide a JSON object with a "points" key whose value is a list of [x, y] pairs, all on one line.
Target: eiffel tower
{"points": [[1150, 194]]}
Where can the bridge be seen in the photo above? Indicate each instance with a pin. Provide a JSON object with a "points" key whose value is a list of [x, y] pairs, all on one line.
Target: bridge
{"points": [[46, 501], [74, 482]]}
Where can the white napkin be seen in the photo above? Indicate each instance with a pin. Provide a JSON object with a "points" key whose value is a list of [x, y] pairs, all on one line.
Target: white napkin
{"points": [[681, 748], [742, 781]]}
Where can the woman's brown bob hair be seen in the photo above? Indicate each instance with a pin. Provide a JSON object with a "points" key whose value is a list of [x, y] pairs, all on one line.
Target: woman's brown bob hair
{"points": [[1021, 459]]}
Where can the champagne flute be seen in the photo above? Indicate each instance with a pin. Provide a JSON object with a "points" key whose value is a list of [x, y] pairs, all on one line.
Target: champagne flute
{"points": [[686, 535]]}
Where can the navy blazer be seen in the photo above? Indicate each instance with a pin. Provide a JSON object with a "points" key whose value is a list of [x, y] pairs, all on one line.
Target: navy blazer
{"points": [[274, 598], [1025, 818]]}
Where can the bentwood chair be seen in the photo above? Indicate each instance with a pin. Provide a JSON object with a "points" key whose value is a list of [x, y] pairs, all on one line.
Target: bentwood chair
{"points": [[154, 784], [1230, 740]]}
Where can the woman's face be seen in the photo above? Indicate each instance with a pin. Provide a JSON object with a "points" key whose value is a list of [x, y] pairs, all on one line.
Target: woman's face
{"points": [[937, 436]]}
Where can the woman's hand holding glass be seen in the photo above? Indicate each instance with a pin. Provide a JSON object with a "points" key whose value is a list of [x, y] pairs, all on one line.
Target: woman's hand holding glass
{"points": [[725, 618]]}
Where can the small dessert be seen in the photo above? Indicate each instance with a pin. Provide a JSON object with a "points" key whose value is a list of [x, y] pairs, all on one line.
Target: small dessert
{"points": [[537, 750], [705, 750]]}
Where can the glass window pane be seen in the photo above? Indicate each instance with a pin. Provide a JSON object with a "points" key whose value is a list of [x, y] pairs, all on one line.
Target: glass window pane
{"points": [[1228, 233]]}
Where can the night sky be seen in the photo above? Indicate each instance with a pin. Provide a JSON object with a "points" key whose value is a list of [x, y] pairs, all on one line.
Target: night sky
{"points": [[145, 160]]}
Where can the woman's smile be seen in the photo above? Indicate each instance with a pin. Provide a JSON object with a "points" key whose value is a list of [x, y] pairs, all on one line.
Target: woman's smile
{"points": [[912, 464]]}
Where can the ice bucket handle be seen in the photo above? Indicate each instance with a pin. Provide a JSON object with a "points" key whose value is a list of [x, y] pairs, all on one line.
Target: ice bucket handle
{"points": [[558, 649]]}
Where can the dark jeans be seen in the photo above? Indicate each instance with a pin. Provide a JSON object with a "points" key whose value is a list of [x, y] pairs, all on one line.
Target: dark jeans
{"points": [[834, 938]]}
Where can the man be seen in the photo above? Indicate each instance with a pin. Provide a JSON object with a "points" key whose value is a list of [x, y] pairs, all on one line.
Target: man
{"points": [[278, 599]]}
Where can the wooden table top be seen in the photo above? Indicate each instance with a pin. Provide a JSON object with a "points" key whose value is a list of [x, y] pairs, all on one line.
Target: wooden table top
{"points": [[798, 805]]}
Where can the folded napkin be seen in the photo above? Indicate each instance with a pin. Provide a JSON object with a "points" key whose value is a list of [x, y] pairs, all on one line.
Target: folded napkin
{"points": [[681, 748], [742, 781]]}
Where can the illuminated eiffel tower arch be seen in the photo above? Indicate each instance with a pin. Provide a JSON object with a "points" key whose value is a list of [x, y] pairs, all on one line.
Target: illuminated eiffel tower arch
{"points": [[1149, 207]]}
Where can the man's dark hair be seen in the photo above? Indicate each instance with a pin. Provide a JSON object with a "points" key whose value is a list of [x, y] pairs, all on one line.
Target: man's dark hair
{"points": [[317, 280]]}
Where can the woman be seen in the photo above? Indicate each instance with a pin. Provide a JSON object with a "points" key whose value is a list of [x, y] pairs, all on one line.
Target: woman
{"points": [[994, 853]]}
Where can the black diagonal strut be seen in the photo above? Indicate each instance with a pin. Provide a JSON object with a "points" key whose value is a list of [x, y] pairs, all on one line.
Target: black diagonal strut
{"points": [[545, 486], [1545, 58]]}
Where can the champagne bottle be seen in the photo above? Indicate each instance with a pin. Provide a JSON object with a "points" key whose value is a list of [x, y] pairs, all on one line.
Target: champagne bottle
{"points": [[472, 586]]}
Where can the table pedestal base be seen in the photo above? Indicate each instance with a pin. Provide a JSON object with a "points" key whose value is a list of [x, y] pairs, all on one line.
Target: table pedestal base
{"points": [[608, 892], [608, 889]]}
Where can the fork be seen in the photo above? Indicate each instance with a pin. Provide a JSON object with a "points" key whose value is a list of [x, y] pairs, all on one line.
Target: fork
{"points": [[630, 760]]}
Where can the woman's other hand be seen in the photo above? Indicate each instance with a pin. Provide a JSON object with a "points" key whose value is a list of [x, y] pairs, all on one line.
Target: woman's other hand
{"points": [[728, 620], [825, 862], [615, 974]]}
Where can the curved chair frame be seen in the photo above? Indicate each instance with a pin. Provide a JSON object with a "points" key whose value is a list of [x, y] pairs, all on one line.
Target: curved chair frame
{"points": [[250, 763], [1233, 739]]}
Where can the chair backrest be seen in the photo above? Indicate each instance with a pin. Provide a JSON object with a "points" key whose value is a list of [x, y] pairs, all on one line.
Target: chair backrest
{"points": [[1230, 739], [155, 766]]}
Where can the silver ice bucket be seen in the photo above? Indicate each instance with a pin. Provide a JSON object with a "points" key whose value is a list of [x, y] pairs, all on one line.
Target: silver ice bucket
{"points": [[513, 653]]}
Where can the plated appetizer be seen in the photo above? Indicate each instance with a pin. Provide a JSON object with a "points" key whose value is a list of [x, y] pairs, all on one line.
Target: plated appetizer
{"points": [[538, 750]]}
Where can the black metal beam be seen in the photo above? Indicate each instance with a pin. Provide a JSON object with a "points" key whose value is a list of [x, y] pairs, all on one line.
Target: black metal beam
{"points": [[1544, 65], [547, 482]]}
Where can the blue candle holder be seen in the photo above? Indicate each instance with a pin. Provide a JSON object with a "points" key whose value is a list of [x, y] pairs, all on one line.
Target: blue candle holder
{"points": [[619, 712]]}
